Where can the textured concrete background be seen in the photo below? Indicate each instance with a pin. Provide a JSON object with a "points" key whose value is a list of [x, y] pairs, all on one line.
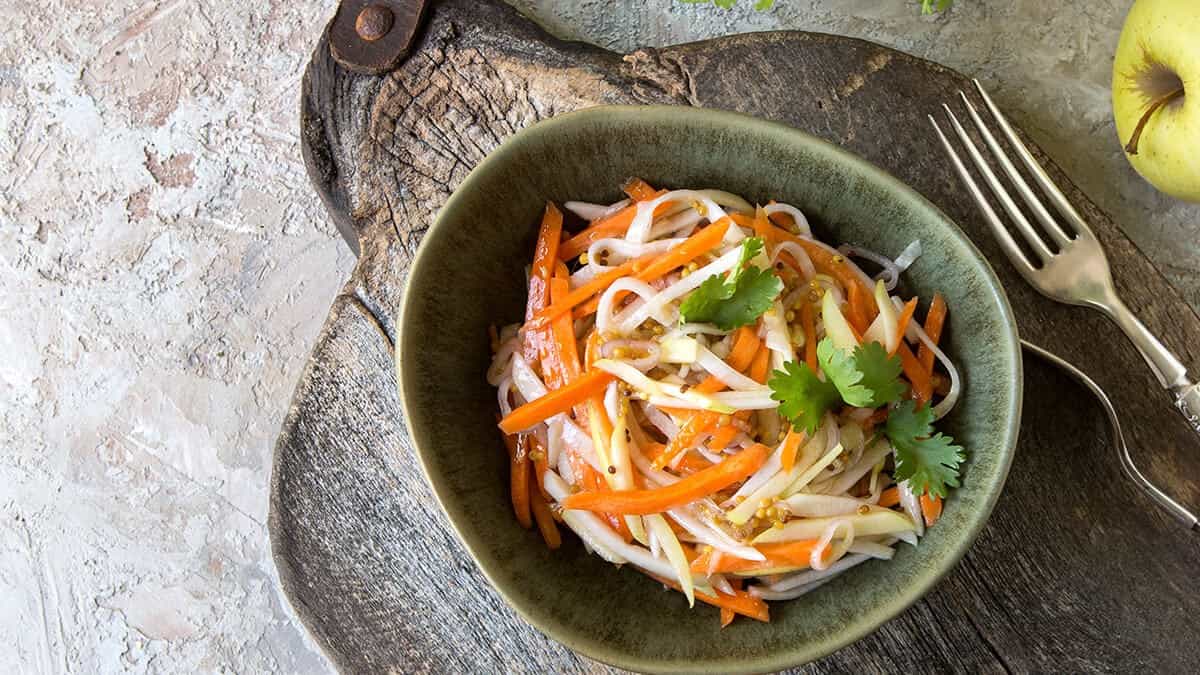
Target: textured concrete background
{"points": [[164, 268]]}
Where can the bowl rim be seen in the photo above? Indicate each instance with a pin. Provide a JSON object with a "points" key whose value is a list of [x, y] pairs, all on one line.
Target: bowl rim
{"points": [[874, 616]]}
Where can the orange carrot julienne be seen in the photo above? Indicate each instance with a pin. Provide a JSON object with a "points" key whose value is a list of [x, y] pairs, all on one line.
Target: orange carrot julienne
{"points": [[518, 462], [902, 325], [922, 383], [722, 437], [545, 519], [934, 322], [740, 602], [781, 554], [791, 446], [646, 268], [694, 424], [558, 401], [609, 226], [761, 364], [544, 256], [656, 500], [931, 509], [727, 615], [889, 497], [638, 190]]}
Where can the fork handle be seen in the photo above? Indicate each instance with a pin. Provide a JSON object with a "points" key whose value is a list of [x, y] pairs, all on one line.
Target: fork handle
{"points": [[1171, 373]]}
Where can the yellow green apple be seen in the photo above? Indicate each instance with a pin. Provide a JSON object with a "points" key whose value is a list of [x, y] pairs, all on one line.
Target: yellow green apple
{"points": [[1156, 94]]}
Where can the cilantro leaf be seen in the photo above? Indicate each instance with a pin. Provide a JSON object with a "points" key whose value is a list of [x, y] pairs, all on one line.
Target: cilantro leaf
{"points": [[928, 461], [751, 247], [737, 300], [880, 373], [840, 369], [803, 397], [868, 378]]}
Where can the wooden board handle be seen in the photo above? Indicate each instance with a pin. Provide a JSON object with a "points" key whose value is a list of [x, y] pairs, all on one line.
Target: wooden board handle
{"points": [[373, 36]]}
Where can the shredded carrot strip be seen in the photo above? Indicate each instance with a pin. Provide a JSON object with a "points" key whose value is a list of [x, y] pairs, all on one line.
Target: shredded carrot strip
{"points": [[545, 519], [740, 603], [782, 554], [694, 424], [902, 325], [931, 509], [646, 268], [727, 615], [700, 484], [518, 464], [557, 401], [889, 497], [722, 437], [638, 190], [761, 364], [934, 321], [610, 226], [544, 256], [791, 445], [922, 383]]}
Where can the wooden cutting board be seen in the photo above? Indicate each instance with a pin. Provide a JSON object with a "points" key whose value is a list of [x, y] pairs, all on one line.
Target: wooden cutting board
{"points": [[1076, 571]]}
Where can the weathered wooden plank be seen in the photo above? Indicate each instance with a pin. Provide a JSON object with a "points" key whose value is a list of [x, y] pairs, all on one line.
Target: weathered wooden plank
{"points": [[1075, 571]]}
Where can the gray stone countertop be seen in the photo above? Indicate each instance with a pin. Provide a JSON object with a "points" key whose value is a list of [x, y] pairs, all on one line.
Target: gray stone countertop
{"points": [[165, 268]]}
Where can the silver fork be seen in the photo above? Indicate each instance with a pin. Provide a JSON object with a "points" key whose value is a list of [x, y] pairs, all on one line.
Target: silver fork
{"points": [[1068, 264]]}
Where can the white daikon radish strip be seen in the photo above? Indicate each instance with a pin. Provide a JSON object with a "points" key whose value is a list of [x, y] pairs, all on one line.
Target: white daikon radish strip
{"points": [[622, 477], [503, 389], [724, 372], [797, 252], [633, 317], [501, 361], [815, 470], [912, 506], [679, 223], [775, 487], [886, 328], [712, 535], [873, 455], [597, 535], [639, 229], [554, 441], [778, 337], [655, 547], [605, 321], [873, 549], [660, 420], [821, 506], [680, 349], [795, 213], [909, 538], [590, 212], [874, 523], [619, 250], [650, 352], [728, 200], [575, 438], [610, 401], [818, 560], [806, 580], [670, 545], [837, 328], [566, 470], [908, 256], [720, 583]]}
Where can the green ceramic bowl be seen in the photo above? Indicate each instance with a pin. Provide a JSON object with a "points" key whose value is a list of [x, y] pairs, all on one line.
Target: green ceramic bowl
{"points": [[469, 274]]}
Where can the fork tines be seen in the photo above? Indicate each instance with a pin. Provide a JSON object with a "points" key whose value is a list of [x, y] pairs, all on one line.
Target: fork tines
{"points": [[1052, 237]]}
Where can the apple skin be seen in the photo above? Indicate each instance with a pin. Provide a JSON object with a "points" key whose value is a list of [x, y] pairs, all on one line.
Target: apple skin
{"points": [[1163, 37]]}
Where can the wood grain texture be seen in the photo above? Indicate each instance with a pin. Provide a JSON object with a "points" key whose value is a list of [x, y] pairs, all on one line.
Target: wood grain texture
{"points": [[1076, 571]]}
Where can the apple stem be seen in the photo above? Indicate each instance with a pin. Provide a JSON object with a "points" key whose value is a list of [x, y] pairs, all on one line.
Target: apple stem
{"points": [[1132, 146]]}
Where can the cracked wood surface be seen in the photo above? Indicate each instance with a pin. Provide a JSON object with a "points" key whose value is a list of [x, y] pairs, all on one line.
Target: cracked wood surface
{"points": [[1075, 571]]}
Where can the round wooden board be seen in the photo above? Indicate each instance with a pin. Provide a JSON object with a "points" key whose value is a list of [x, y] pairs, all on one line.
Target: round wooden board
{"points": [[1076, 571]]}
